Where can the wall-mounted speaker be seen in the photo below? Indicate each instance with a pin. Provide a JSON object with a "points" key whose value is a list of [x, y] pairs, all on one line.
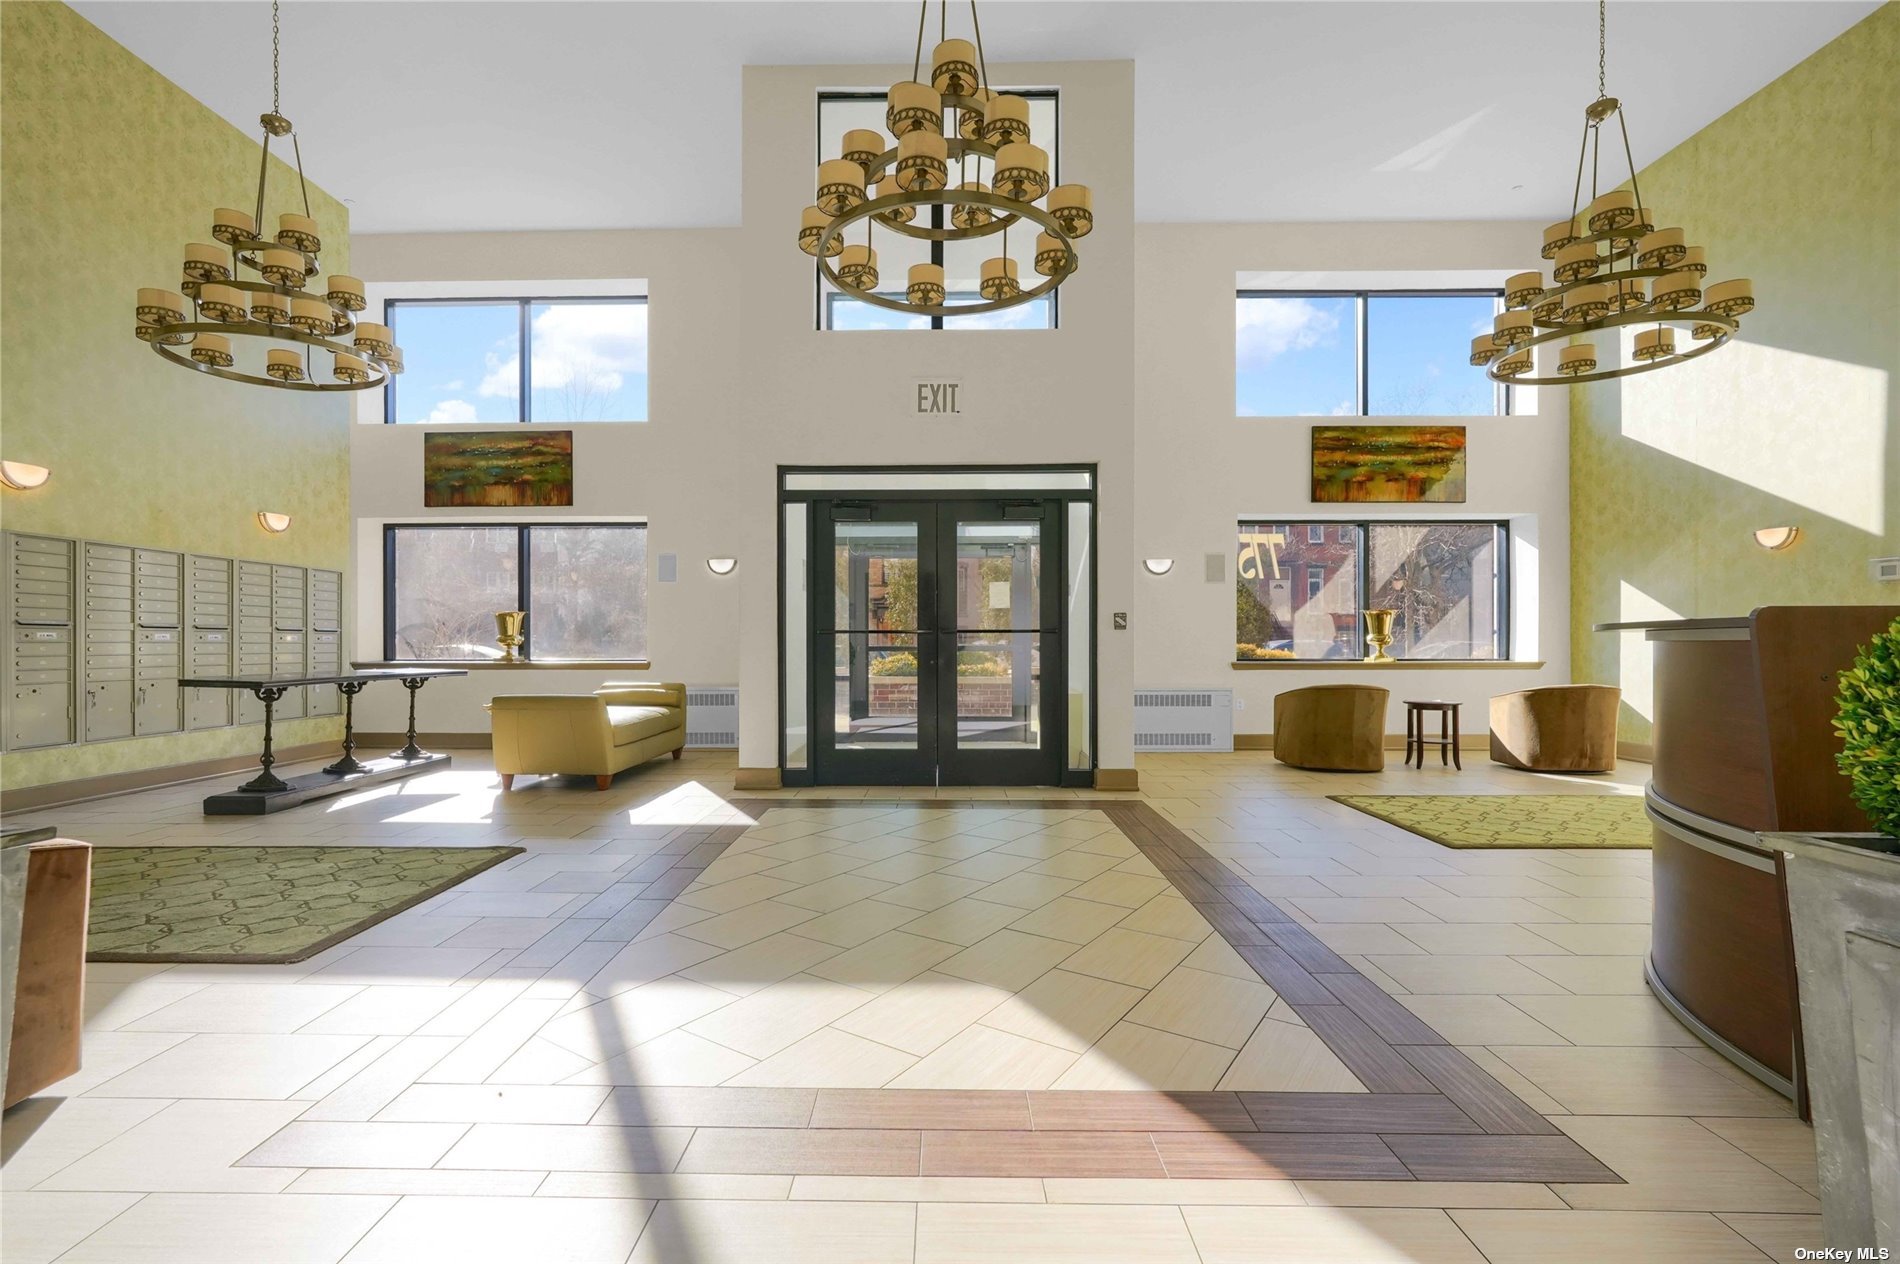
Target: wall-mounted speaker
{"points": [[669, 567]]}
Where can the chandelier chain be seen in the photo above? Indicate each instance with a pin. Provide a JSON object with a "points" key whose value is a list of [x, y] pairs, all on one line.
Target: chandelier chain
{"points": [[1602, 47], [275, 45]]}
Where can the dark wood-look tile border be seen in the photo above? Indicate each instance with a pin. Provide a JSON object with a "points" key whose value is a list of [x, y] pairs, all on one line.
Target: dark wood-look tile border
{"points": [[1432, 1113]]}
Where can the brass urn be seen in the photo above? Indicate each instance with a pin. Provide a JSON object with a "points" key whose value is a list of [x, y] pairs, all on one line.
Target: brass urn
{"points": [[508, 624], [1379, 634]]}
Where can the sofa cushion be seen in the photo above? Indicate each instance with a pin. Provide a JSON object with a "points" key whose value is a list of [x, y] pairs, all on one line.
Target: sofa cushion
{"points": [[631, 724]]}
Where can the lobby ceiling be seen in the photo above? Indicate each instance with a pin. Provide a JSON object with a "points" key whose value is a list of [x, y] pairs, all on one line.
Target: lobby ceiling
{"points": [[461, 116]]}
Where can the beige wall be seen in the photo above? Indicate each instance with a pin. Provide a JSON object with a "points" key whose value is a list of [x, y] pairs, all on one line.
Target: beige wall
{"points": [[1202, 468], [1797, 422], [108, 171]]}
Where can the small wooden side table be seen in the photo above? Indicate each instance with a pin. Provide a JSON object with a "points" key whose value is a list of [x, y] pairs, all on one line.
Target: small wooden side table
{"points": [[1447, 739]]}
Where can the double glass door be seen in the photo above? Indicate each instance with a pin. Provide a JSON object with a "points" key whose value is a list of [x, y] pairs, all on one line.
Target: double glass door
{"points": [[936, 642]]}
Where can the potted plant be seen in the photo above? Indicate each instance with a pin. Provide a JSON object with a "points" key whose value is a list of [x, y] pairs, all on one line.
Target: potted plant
{"points": [[1869, 728]]}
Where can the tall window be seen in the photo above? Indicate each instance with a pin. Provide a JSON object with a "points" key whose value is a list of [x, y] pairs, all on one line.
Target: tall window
{"points": [[1363, 354], [1447, 582], [519, 359], [584, 587], [838, 113]]}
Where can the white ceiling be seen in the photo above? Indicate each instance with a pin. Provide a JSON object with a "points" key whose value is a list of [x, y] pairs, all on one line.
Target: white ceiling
{"points": [[551, 114]]}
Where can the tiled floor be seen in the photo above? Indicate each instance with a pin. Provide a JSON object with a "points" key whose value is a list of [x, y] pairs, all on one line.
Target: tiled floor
{"points": [[686, 1026]]}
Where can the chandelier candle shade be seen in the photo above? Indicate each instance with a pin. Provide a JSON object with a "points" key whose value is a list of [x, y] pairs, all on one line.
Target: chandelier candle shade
{"points": [[959, 144], [218, 307], [1611, 266]]}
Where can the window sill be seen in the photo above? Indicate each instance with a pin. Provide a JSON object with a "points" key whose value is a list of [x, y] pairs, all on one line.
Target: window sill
{"points": [[1403, 664], [590, 664]]}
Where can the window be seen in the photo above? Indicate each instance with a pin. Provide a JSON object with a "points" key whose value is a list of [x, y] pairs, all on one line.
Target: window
{"points": [[840, 112], [586, 360], [1363, 354], [1447, 581], [583, 585]]}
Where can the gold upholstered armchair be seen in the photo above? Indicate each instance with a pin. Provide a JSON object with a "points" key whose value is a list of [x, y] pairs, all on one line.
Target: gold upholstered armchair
{"points": [[591, 734]]}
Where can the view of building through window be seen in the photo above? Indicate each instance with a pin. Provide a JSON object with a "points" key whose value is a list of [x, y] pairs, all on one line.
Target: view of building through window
{"points": [[584, 590], [586, 360], [1302, 589], [1362, 354]]}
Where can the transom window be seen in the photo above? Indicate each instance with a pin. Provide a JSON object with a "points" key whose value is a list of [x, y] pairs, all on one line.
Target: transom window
{"points": [[1447, 583], [584, 586], [840, 112], [1363, 353], [471, 361]]}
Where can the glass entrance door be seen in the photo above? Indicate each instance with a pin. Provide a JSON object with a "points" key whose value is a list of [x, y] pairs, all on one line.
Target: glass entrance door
{"points": [[936, 642]]}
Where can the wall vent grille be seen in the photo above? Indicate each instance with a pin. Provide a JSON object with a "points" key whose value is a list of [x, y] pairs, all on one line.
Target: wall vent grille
{"points": [[1184, 720]]}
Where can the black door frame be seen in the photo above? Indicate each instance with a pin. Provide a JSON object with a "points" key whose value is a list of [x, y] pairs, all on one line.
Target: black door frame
{"points": [[1055, 683]]}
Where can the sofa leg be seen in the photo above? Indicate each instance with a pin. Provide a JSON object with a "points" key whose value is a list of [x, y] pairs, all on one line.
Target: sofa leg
{"points": [[678, 751], [507, 781], [602, 782]]}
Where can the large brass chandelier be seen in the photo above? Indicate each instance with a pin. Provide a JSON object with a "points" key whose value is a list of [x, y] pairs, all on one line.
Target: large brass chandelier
{"points": [[954, 123], [1612, 266], [214, 305]]}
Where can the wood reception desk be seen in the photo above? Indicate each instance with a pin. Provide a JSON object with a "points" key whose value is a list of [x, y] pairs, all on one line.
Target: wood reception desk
{"points": [[1744, 743]]}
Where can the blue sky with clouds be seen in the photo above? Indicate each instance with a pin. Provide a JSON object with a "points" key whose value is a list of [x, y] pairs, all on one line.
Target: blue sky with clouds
{"points": [[1296, 356], [588, 363]]}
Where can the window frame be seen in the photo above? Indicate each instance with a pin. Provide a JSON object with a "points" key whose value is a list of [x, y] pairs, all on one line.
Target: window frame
{"points": [[1503, 399], [828, 295], [1362, 553], [524, 334], [524, 581]]}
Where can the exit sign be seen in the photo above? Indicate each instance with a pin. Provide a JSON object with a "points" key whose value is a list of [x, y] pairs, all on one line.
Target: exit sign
{"points": [[937, 399]]}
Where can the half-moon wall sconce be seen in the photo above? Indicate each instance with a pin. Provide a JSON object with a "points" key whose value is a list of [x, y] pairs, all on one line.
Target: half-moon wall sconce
{"points": [[1777, 538], [722, 565], [1158, 565], [275, 523], [22, 477]]}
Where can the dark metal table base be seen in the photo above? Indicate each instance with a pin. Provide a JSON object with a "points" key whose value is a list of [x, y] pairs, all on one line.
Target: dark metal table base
{"points": [[318, 785]]}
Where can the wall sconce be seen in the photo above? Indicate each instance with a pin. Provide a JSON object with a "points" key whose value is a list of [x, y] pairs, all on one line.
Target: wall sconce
{"points": [[1158, 565], [722, 565], [22, 477], [1776, 538], [275, 523]]}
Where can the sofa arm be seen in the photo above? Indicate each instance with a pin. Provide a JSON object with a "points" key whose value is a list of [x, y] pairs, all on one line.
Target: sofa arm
{"points": [[551, 733], [641, 694]]}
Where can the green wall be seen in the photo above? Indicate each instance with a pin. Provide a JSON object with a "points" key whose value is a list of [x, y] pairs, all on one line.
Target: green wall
{"points": [[107, 170], [1792, 424]]}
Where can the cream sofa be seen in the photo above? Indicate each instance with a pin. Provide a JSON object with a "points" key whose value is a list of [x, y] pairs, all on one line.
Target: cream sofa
{"points": [[588, 735]]}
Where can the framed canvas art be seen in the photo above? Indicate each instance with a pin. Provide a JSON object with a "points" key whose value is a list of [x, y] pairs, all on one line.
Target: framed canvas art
{"points": [[1389, 465], [499, 469]]}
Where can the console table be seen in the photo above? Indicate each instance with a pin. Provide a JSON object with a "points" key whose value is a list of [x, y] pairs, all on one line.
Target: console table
{"points": [[1744, 744], [267, 792]]}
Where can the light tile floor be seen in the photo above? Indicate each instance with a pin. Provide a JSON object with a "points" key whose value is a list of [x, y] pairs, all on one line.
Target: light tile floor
{"points": [[480, 1078]]}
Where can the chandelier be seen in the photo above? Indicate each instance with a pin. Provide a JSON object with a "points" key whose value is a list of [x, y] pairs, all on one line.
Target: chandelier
{"points": [[954, 123], [1611, 267], [214, 304]]}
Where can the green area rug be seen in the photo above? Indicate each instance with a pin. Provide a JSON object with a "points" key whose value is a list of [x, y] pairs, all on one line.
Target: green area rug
{"points": [[1512, 820], [252, 905]]}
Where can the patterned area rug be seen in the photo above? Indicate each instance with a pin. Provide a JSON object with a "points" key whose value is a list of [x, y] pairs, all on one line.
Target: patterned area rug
{"points": [[252, 905], [1512, 820]]}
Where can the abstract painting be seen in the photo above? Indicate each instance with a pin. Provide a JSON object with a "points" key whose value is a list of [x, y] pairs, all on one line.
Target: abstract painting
{"points": [[503, 469], [1375, 464]]}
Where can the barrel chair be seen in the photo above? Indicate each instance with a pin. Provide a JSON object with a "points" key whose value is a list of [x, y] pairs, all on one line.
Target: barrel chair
{"points": [[1334, 728], [1556, 728]]}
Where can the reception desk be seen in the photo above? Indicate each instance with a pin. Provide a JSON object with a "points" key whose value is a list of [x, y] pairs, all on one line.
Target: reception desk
{"points": [[1744, 744]]}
